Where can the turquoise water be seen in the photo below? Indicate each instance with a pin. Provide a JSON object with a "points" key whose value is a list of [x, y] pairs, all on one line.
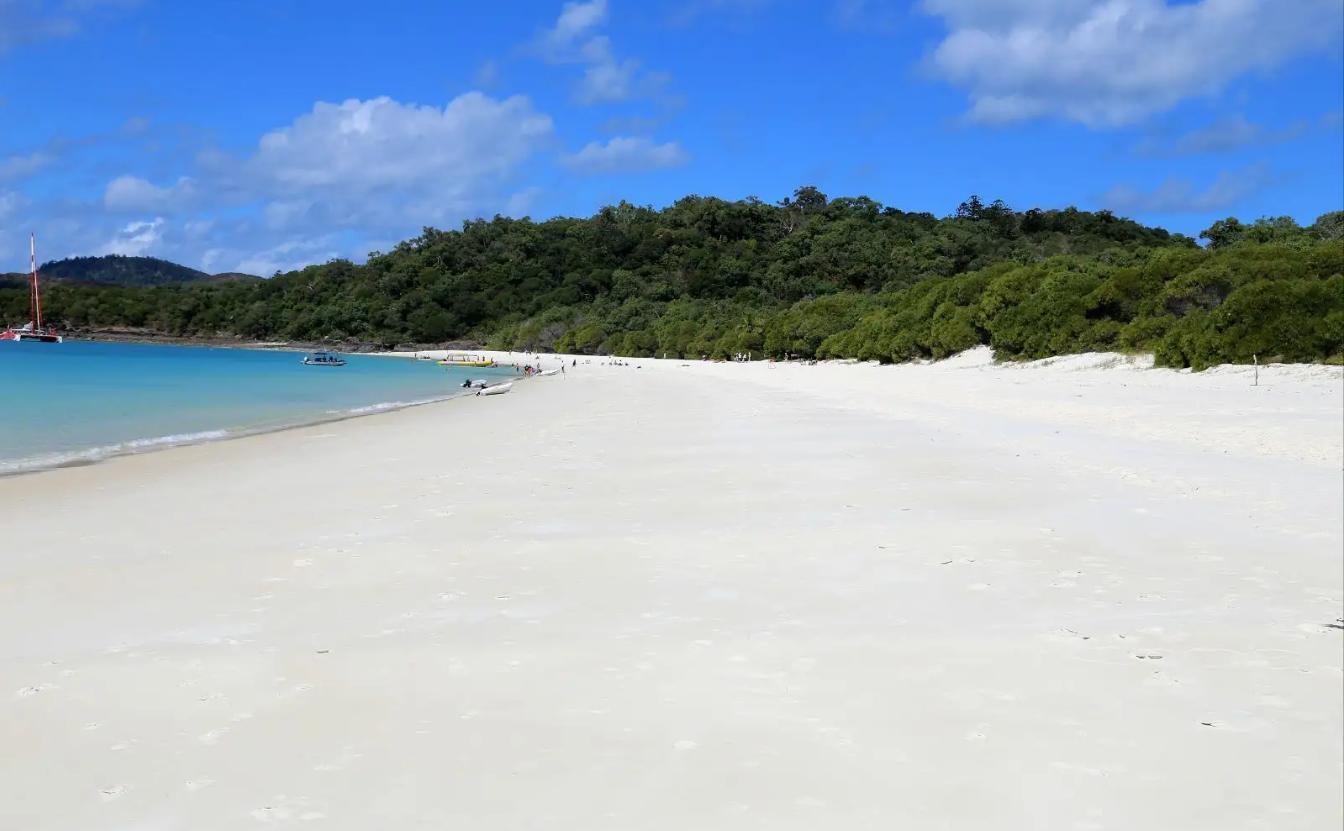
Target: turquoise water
{"points": [[79, 401]]}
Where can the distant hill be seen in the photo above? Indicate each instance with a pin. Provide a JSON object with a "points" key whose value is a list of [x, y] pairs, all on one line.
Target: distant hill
{"points": [[117, 270]]}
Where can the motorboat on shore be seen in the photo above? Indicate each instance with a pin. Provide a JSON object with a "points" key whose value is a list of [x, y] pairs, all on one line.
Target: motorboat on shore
{"points": [[498, 389], [32, 331], [323, 359]]}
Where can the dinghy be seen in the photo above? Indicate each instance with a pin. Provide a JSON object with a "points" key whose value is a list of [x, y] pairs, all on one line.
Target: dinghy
{"points": [[499, 389]]}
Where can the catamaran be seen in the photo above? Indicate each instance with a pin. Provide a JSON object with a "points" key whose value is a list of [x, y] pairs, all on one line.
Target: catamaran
{"points": [[32, 331]]}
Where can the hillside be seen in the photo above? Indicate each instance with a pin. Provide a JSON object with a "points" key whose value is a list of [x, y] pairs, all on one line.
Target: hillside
{"points": [[809, 276], [118, 270], [115, 269]]}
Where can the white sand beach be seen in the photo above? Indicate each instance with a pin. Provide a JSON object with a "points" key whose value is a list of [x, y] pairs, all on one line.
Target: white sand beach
{"points": [[1077, 594]]}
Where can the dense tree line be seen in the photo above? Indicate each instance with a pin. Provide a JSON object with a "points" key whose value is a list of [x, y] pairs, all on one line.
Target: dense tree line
{"points": [[809, 276]]}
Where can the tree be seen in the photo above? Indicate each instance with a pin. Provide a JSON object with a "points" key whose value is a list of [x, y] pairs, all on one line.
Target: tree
{"points": [[1224, 232]]}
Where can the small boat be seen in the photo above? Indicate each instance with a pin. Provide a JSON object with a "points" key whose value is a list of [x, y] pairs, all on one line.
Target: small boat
{"points": [[548, 373], [466, 359], [32, 331], [498, 389], [323, 359]]}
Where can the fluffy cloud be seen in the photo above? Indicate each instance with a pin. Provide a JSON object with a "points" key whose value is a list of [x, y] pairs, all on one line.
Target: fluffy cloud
{"points": [[624, 154], [574, 22], [572, 39], [1117, 61], [131, 193], [136, 239], [1177, 195], [361, 146], [318, 186], [284, 256]]}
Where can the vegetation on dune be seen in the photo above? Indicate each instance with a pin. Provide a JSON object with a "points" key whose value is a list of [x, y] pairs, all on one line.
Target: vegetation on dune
{"points": [[809, 276]]}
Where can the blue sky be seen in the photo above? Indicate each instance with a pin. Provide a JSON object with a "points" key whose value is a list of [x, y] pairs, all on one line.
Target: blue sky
{"points": [[266, 134]]}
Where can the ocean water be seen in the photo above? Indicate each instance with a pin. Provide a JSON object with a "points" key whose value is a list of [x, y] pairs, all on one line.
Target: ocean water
{"points": [[81, 402]]}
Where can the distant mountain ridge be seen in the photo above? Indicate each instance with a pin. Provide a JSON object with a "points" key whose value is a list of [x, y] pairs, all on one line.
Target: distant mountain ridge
{"points": [[119, 270]]}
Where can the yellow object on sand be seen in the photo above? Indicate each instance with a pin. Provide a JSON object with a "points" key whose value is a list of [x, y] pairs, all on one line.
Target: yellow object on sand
{"points": [[467, 360]]}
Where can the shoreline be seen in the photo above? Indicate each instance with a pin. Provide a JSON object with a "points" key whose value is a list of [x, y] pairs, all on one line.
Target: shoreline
{"points": [[155, 444], [1105, 362]]}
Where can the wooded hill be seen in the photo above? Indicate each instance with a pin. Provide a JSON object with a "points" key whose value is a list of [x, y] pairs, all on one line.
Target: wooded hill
{"points": [[118, 270], [808, 276]]}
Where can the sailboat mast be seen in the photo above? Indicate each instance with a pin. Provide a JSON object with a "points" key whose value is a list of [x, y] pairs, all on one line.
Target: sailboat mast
{"points": [[37, 294]]}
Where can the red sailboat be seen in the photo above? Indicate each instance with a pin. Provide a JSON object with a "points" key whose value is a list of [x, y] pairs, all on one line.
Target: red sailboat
{"points": [[32, 330]]}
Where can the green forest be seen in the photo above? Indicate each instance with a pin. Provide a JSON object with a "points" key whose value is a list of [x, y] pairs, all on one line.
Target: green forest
{"points": [[809, 276]]}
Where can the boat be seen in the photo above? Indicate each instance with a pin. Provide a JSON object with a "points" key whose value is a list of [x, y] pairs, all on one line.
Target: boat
{"points": [[466, 359], [323, 359], [32, 331], [498, 389]]}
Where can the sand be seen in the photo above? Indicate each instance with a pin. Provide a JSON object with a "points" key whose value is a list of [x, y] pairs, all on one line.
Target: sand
{"points": [[1081, 594]]}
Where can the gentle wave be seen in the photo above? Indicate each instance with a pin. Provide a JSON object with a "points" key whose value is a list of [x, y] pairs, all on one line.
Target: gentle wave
{"points": [[89, 455], [93, 455], [384, 406]]}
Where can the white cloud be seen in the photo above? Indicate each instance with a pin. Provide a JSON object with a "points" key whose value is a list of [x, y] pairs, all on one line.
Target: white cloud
{"points": [[573, 40], [360, 146], [1116, 61], [1177, 195], [608, 81], [626, 154], [23, 165], [575, 20], [136, 239], [131, 193], [285, 256]]}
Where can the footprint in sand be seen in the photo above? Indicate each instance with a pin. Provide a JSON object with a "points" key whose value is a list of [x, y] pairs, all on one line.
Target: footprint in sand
{"points": [[197, 784], [111, 793], [285, 809], [29, 691], [212, 736]]}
